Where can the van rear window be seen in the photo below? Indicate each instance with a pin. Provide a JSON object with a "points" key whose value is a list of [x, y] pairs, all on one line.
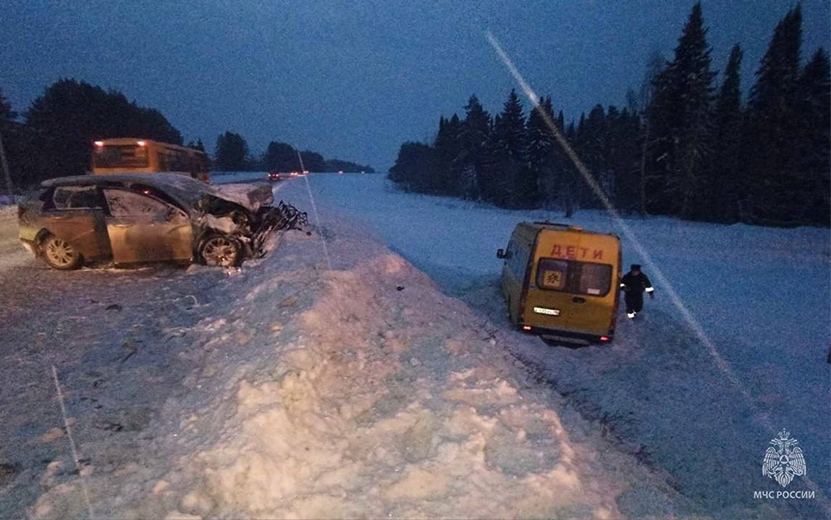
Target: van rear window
{"points": [[120, 156], [552, 274], [595, 279], [574, 277]]}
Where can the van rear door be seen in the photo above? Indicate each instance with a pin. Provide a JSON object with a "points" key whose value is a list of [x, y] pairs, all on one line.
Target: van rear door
{"points": [[593, 284], [548, 304]]}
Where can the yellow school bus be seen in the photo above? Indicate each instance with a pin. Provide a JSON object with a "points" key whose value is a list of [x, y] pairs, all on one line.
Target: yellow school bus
{"points": [[561, 282], [130, 155]]}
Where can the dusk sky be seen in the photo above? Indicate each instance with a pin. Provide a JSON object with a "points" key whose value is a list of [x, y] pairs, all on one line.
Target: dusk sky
{"points": [[354, 79]]}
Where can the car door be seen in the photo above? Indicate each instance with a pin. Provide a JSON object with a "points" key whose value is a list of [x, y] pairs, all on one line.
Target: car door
{"points": [[142, 228], [513, 274], [76, 215]]}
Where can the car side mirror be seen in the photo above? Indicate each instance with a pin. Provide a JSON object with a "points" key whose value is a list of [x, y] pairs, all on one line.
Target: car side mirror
{"points": [[500, 253]]}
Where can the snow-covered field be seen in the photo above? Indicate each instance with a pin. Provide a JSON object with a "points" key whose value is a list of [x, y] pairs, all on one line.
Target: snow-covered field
{"points": [[761, 295]]}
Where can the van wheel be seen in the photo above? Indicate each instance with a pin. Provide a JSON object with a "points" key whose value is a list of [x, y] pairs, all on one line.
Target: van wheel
{"points": [[221, 251], [59, 254]]}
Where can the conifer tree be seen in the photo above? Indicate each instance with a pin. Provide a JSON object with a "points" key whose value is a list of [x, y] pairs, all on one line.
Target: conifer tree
{"points": [[592, 146], [6, 112], [281, 157], [473, 140], [491, 177], [624, 150], [570, 175], [445, 171], [724, 178], [651, 167], [682, 117], [411, 167], [513, 185], [541, 151], [231, 152], [814, 137], [777, 189]]}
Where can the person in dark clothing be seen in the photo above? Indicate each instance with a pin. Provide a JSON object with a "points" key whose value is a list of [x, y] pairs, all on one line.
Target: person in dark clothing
{"points": [[634, 284]]}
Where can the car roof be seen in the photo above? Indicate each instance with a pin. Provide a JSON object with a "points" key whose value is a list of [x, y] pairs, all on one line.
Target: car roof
{"points": [[179, 186], [166, 179]]}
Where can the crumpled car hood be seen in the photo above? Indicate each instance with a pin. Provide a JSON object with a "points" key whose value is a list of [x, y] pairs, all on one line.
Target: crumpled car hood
{"points": [[249, 196]]}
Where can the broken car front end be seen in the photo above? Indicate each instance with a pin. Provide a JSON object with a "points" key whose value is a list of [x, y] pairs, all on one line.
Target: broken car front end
{"points": [[243, 222]]}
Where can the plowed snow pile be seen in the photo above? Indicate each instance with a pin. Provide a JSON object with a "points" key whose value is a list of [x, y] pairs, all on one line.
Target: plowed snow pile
{"points": [[359, 392]]}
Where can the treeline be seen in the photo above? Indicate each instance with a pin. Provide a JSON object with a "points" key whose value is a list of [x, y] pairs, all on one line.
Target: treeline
{"points": [[55, 136], [683, 146], [232, 154]]}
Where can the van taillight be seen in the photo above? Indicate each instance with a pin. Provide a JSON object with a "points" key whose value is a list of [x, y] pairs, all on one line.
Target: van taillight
{"points": [[604, 338], [526, 327]]}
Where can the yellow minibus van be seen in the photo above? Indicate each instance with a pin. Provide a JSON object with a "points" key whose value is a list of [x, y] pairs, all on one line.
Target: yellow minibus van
{"points": [[130, 155], [561, 282]]}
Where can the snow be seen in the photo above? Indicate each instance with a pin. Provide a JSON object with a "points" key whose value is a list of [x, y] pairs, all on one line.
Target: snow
{"points": [[6, 200], [361, 391], [391, 384], [760, 294]]}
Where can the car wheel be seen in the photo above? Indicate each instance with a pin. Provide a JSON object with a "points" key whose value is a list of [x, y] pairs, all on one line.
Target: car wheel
{"points": [[220, 250], [59, 254]]}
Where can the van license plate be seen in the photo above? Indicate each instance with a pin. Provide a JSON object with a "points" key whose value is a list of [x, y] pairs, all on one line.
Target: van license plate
{"points": [[549, 312]]}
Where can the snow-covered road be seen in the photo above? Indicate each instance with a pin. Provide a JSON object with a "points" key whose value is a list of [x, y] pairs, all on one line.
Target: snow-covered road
{"points": [[112, 334], [12, 253]]}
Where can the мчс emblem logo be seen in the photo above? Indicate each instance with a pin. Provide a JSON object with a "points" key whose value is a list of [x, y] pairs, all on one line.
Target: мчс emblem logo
{"points": [[784, 461]]}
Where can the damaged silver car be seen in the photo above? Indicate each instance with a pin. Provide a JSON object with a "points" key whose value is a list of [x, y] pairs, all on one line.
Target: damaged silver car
{"points": [[137, 218]]}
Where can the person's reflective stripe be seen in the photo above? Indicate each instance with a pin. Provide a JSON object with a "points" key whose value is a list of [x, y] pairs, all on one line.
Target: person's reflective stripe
{"points": [[623, 285], [630, 315], [649, 289]]}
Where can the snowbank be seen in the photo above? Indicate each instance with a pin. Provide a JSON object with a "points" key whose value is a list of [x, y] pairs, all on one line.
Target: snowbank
{"points": [[359, 392], [761, 294]]}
